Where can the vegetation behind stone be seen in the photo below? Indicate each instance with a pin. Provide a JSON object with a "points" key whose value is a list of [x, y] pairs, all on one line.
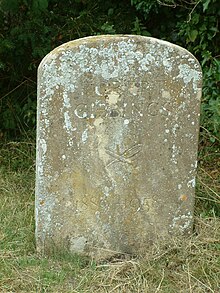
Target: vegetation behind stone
{"points": [[31, 29]]}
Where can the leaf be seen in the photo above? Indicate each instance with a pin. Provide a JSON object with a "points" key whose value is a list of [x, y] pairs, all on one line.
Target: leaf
{"points": [[39, 5], [43, 4], [195, 18], [193, 35], [110, 11], [108, 28], [2, 65], [9, 5], [212, 139], [206, 4]]}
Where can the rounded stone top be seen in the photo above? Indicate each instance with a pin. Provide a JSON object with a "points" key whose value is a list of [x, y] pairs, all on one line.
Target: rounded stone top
{"points": [[116, 56]]}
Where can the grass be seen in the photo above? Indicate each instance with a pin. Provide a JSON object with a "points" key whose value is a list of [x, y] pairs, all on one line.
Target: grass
{"points": [[191, 265]]}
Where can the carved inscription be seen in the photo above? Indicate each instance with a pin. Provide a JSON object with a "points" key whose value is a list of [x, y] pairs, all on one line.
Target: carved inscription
{"points": [[112, 103], [83, 111], [126, 156]]}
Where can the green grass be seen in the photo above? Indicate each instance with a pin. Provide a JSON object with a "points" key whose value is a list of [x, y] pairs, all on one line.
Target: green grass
{"points": [[191, 265]]}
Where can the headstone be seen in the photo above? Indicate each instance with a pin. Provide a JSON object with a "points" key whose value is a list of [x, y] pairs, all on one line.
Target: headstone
{"points": [[117, 135]]}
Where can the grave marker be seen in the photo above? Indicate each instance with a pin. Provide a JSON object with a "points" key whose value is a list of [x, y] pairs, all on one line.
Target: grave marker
{"points": [[117, 135]]}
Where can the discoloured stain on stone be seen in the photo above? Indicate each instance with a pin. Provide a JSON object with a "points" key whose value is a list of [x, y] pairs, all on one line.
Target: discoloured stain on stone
{"points": [[117, 134]]}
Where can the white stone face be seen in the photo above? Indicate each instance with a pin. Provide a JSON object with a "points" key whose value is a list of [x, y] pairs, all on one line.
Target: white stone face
{"points": [[117, 134]]}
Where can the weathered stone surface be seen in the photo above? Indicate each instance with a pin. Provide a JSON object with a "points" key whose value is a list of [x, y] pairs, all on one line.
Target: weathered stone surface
{"points": [[118, 121]]}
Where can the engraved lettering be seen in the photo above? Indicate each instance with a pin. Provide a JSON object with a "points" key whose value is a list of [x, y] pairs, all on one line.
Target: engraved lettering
{"points": [[100, 110], [135, 107], [81, 111], [152, 109], [114, 113], [165, 109]]}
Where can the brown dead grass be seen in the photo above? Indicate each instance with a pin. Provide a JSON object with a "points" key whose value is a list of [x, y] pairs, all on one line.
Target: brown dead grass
{"points": [[186, 265]]}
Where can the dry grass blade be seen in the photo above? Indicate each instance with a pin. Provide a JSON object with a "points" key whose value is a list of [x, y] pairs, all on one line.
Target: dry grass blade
{"points": [[216, 195], [161, 281]]}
